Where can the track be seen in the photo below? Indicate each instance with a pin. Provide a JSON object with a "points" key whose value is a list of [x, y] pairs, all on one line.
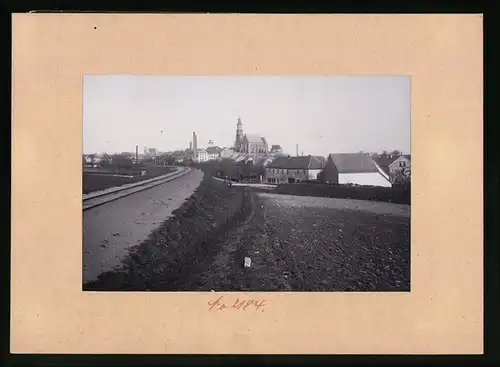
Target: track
{"points": [[110, 228], [94, 199]]}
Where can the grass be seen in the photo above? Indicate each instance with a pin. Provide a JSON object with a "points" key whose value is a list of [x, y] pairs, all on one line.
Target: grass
{"points": [[183, 244], [384, 194], [94, 182]]}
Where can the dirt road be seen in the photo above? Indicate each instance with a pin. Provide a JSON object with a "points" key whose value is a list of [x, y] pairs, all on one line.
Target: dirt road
{"points": [[109, 230]]}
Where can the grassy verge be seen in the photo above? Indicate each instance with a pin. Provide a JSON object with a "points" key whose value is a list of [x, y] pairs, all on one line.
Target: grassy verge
{"points": [[384, 194], [183, 245], [94, 182]]}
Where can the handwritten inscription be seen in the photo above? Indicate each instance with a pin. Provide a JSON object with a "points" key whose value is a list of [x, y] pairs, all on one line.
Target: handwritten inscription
{"points": [[238, 305]]}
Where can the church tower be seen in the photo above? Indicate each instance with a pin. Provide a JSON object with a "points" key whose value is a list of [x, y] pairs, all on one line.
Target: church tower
{"points": [[239, 135]]}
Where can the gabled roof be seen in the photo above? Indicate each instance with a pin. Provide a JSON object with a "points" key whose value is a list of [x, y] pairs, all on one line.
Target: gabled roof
{"points": [[254, 138], [302, 162], [201, 151], [353, 163], [213, 150], [407, 156]]}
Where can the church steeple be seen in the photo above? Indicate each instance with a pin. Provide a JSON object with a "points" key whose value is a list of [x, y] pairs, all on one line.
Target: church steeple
{"points": [[239, 135]]}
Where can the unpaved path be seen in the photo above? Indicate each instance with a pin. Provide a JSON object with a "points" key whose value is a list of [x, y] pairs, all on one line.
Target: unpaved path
{"points": [[109, 230]]}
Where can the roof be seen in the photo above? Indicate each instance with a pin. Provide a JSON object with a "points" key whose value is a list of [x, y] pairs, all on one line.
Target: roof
{"points": [[201, 150], [407, 156], [302, 162], [353, 162], [213, 150], [254, 138], [276, 146]]}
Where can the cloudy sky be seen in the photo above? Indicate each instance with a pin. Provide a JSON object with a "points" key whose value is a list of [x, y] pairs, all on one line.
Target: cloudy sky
{"points": [[321, 114]]}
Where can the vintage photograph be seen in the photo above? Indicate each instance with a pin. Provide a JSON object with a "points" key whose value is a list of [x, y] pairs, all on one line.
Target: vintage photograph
{"points": [[246, 183]]}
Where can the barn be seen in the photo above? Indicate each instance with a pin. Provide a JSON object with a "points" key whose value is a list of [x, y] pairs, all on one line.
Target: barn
{"points": [[354, 168], [294, 169]]}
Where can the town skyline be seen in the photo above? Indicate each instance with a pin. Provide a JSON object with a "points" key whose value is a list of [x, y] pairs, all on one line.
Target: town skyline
{"points": [[371, 113]]}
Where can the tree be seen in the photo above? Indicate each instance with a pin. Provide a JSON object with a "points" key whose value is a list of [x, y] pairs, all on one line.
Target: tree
{"points": [[122, 161], [395, 153], [402, 177], [105, 160]]}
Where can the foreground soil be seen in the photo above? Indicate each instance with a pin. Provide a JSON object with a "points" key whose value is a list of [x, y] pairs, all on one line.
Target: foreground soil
{"points": [[95, 181], [296, 243], [315, 244]]}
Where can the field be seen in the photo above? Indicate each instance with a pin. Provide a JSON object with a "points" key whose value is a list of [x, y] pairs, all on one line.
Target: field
{"points": [[385, 194], [93, 181], [296, 243]]}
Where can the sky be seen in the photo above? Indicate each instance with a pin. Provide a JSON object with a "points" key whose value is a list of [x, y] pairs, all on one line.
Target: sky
{"points": [[322, 114]]}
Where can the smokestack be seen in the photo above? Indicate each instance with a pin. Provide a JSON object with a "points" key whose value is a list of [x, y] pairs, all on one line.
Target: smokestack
{"points": [[137, 152], [195, 145], [190, 145], [302, 153], [297, 153]]}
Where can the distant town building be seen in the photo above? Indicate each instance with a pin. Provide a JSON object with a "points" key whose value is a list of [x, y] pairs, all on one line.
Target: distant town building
{"points": [[213, 152], [249, 143], [226, 152], [239, 136], [294, 169], [354, 168], [276, 149], [402, 164], [253, 143], [201, 155]]}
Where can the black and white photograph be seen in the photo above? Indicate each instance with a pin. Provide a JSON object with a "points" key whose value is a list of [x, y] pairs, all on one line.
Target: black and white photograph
{"points": [[246, 183]]}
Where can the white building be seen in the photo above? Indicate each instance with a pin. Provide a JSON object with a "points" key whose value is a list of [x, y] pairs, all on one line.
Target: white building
{"points": [[201, 155], [354, 168], [294, 169], [212, 152]]}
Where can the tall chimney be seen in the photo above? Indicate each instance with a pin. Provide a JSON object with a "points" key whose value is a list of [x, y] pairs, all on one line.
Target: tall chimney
{"points": [[297, 150], [195, 146], [137, 152], [190, 145]]}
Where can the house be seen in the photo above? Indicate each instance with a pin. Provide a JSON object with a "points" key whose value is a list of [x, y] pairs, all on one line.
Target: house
{"points": [[201, 155], [294, 169], [402, 163], [354, 168], [212, 153], [226, 152], [260, 165], [276, 149], [253, 143]]}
